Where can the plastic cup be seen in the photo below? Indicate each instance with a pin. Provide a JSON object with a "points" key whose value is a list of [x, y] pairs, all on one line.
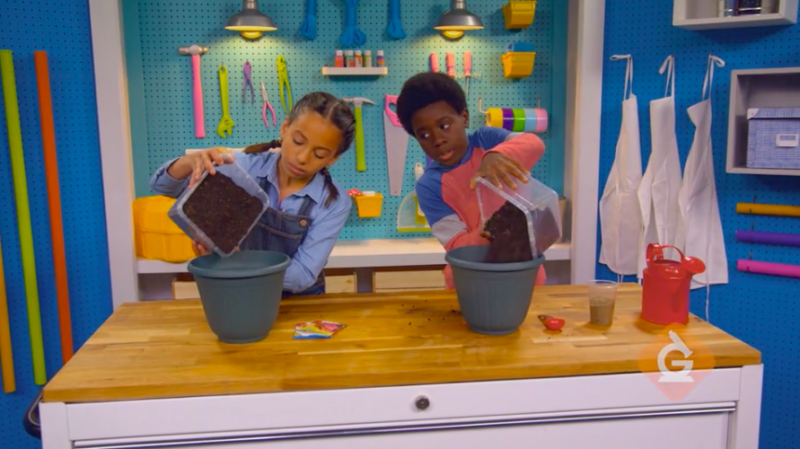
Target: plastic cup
{"points": [[602, 299]]}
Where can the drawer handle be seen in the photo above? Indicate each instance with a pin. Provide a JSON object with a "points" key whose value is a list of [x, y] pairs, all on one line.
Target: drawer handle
{"points": [[422, 403]]}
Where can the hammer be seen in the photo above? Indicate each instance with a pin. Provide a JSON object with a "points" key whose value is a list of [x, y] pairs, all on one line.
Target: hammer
{"points": [[361, 162], [199, 120]]}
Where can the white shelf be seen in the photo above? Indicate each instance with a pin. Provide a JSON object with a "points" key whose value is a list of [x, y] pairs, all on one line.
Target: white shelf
{"points": [[370, 254], [757, 88], [355, 71], [702, 15]]}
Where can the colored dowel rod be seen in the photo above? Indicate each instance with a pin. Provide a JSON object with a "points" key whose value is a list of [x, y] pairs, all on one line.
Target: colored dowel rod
{"points": [[769, 238], [768, 209], [773, 269], [23, 214], [54, 201], [6, 353]]}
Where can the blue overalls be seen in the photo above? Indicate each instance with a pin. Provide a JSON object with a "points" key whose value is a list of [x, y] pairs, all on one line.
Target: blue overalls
{"points": [[278, 231]]}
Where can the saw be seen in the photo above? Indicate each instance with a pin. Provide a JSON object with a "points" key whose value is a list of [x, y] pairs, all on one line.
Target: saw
{"points": [[396, 146]]}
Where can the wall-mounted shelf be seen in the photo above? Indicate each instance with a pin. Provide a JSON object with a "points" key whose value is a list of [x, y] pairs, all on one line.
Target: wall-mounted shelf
{"points": [[355, 71], [757, 88], [703, 15]]}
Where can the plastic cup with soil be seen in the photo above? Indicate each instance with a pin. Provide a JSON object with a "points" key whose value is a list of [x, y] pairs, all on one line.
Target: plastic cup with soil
{"points": [[495, 282], [240, 294], [602, 299], [221, 209]]}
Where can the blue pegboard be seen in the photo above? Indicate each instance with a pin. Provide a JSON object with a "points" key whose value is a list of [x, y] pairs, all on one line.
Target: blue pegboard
{"points": [[63, 30], [162, 26], [760, 310]]}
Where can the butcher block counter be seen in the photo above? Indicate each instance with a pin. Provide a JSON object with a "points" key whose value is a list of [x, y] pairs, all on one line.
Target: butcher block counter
{"points": [[405, 370]]}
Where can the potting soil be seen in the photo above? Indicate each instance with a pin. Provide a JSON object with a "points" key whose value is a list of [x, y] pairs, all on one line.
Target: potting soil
{"points": [[508, 234], [223, 210]]}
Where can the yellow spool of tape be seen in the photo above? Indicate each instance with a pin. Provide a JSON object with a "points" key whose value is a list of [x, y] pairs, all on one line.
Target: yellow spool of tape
{"points": [[494, 117]]}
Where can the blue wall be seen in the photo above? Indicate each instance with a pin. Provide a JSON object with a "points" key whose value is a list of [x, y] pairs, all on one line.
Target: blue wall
{"points": [[62, 29], [760, 310]]}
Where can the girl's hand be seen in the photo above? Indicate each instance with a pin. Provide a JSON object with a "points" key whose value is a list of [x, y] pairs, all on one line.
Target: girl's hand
{"points": [[496, 167], [199, 250], [205, 160]]}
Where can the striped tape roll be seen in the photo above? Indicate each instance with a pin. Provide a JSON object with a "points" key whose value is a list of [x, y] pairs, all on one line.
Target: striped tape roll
{"points": [[518, 120]]}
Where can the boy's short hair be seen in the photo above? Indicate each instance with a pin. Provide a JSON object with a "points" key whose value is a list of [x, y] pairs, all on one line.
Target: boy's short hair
{"points": [[424, 89]]}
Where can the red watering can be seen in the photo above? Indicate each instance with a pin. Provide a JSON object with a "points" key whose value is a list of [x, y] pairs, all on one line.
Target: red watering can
{"points": [[665, 285]]}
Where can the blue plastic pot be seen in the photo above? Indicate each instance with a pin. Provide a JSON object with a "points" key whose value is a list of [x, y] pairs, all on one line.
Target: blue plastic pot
{"points": [[241, 293], [494, 297]]}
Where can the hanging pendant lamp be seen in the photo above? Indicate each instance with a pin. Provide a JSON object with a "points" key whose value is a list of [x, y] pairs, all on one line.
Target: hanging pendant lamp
{"points": [[250, 22], [453, 22]]}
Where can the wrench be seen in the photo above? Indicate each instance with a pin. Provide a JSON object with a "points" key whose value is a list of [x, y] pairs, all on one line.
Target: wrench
{"points": [[225, 123]]}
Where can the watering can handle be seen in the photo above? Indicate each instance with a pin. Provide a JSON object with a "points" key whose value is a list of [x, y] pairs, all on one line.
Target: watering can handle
{"points": [[655, 251]]}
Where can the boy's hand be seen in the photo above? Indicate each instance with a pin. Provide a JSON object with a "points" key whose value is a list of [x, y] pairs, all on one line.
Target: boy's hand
{"points": [[199, 249], [205, 160], [498, 169]]}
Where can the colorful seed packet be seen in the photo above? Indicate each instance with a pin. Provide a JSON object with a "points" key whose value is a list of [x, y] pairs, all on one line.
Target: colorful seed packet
{"points": [[317, 329]]}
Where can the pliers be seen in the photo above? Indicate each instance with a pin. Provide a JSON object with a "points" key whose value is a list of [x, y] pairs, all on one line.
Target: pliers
{"points": [[266, 105], [248, 81], [283, 80]]}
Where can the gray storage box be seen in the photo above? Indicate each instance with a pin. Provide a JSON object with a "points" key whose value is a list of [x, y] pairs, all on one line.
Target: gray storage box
{"points": [[773, 138]]}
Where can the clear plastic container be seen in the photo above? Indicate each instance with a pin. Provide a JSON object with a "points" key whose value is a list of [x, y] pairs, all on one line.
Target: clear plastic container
{"points": [[222, 208], [537, 202]]}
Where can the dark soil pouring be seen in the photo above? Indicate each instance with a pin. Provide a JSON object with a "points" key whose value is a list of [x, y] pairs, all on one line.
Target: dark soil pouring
{"points": [[508, 234], [223, 210]]}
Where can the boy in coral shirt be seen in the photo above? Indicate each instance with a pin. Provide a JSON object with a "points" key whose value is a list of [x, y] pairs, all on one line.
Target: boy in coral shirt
{"points": [[433, 109]]}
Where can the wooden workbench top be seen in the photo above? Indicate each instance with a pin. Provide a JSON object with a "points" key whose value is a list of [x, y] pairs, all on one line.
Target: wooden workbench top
{"points": [[165, 349]]}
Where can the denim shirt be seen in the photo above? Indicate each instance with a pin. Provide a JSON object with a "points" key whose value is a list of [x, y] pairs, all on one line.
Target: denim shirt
{"points": [[326, 222]]}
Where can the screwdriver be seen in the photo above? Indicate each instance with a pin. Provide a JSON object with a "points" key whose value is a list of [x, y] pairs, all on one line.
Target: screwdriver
{"points": [[467, 70]]}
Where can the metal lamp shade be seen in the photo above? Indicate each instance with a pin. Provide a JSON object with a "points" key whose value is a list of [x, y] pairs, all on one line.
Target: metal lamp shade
{"points": [[458, 19], [250, 21]]}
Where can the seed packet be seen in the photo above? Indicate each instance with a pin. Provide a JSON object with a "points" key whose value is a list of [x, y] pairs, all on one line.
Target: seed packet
{"points": [[317, 329]]}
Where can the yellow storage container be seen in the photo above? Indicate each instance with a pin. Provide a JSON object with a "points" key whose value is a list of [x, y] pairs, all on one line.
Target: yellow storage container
{"points": [[157, 237], [369, 206], [518, 64], [519, 14]]}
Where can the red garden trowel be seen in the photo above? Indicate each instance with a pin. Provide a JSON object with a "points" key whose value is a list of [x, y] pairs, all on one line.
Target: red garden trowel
{"points": [[396, 146]]}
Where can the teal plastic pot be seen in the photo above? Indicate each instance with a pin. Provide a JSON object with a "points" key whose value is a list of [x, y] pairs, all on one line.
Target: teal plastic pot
{"points": [[494, 297], [241, 293]]}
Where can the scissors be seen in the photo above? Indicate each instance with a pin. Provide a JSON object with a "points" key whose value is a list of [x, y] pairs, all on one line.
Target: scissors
{"points": [[283, 80], [248, 82], [266, 105]]}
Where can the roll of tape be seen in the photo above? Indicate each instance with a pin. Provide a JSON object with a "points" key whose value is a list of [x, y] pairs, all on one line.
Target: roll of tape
{"points": [[508, 119], [541, 120], [519, 120], [494, 117]]}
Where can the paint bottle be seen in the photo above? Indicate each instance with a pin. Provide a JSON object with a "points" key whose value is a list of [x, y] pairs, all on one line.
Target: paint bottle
{"points": [[367, 58], [348, 54], [380, 60], [339, 59], [359, 61]]}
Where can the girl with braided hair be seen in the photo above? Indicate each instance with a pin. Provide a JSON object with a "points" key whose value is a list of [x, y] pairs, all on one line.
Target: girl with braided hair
{"points": [[308, 209]]}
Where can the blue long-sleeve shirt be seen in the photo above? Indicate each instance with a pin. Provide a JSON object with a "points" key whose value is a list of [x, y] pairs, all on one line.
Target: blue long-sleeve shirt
{"points": [[326, 222]]}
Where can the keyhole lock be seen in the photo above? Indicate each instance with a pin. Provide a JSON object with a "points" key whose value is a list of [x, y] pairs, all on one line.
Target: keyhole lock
{"points": [[422, 403]]}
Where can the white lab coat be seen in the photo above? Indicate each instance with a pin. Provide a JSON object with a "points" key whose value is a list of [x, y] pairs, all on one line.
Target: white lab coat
{"points": [[700, 231], [620, 218], [658, 191]]}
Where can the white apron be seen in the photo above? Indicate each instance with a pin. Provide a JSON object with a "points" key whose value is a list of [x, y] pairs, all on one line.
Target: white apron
{"points": [[658, 192], [700, 231], [620, 218]]}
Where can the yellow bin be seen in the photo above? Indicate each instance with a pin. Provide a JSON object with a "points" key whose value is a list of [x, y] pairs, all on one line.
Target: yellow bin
{"points": [[157, 237], [369, 206], [518, 64], [519, 14]]}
